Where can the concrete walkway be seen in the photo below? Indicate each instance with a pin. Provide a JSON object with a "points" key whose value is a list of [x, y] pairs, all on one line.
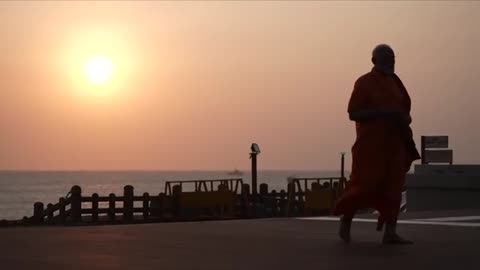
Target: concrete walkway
{"points": [[241, 244]]}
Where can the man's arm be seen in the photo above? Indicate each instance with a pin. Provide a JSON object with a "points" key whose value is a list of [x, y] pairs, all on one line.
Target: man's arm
{"points": [[366, 115]]}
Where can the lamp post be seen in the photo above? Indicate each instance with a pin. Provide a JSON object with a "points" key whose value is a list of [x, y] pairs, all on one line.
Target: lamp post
{"points": [[253, 156], [342, 164], [342, 173]]}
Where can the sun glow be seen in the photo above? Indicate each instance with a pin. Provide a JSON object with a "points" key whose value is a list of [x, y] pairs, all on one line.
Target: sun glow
{"points": [[99, 64], [99, 69]]}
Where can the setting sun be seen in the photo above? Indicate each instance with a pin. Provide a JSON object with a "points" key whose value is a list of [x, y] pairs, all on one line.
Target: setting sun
{"points": [[99, 69], [99, 64]]}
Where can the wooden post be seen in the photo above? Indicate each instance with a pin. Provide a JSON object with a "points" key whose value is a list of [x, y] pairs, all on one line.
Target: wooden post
{"points": [[111, 206], [156, 205], [422, 149], [37, 213], [61, 214], [291, 190], [76, 205], [299, 192], [253, 156], [341, 186], [283, 204], [245, 200], [264, 189], [342, 166], [262, 200], [128, 203], [146, 210], [176, 207], [95, 207], [274, 202], [336, 188], [161, 199], [50, 213], [290, 198], [246, 189]]}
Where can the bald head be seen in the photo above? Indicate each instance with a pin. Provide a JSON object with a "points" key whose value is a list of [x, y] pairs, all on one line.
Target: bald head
{"points": [[383, 58]]}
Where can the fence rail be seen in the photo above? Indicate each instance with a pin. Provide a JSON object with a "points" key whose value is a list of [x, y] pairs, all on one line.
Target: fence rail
{"points": [[210, 199], [206, 185]]}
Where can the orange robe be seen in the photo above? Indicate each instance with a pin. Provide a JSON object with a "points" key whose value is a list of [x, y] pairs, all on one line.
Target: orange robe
{"points": [[383, 150]]}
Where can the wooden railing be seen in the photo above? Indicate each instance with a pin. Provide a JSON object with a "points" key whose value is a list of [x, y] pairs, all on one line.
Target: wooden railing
{"points": [[229, 199], [319, 197], [274, 203], [54, 213], [206, 185]]}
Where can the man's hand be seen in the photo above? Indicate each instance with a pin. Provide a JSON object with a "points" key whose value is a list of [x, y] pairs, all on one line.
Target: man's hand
{"points": [[406, 119]]}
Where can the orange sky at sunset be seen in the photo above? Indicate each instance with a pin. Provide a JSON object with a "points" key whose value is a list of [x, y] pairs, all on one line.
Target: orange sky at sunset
{"points": [[190, 85]]}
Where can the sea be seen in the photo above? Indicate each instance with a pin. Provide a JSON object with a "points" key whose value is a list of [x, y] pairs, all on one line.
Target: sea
{"points": [[19, 190]]}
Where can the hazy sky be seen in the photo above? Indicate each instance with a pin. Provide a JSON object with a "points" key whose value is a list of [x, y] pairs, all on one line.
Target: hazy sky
{"points": [[195, 83]]}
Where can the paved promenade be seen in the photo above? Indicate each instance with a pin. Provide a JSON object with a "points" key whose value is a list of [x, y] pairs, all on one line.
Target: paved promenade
{"points": [[441, 242]]}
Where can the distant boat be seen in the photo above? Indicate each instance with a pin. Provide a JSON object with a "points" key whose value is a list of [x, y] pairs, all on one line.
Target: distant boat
{"points": [[235, 172]]}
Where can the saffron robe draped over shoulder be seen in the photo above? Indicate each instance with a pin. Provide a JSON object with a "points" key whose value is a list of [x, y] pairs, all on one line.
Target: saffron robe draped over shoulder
{"points": [[383, 150]]}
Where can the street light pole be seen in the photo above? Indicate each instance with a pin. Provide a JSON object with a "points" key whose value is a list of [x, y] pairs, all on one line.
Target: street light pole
{"points": [[253, 156], [342, 165]]}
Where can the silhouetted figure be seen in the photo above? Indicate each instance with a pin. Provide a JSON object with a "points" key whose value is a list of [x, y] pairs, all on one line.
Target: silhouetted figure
{"points": [[384, 148]]}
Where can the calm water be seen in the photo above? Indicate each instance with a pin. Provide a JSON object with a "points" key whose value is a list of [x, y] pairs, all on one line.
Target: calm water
{"points": [[20, 190]]}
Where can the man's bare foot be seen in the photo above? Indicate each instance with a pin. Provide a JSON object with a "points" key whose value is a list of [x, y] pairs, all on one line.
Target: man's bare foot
{"points": [[344, 232], [395, 239]]}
